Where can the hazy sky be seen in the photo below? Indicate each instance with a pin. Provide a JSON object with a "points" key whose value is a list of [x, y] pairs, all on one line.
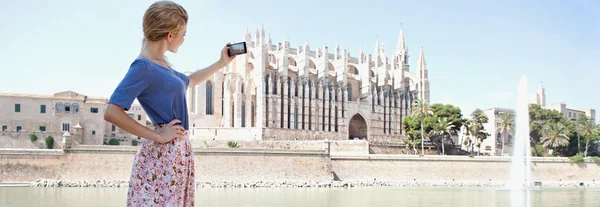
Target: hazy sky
{"points": [[476, 50]]}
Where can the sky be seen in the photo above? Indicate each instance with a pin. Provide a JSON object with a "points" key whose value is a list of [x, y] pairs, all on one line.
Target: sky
{"points": [[476, 50]]}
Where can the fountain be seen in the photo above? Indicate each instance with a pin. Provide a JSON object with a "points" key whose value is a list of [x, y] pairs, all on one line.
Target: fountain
{"points": [[520, 168]]}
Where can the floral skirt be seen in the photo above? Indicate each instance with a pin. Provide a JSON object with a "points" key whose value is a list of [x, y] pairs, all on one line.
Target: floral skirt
{"points": [[163, 174]]}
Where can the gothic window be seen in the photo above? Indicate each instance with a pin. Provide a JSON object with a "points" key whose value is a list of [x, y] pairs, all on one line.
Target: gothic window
{"points": [[222, 98], [349, 88], [267, 84], [336, 119], [232, 115], [274, 85], [329, 108], [289, 86], [209, 98], [243, 114], [252, 114], [296, 116]]}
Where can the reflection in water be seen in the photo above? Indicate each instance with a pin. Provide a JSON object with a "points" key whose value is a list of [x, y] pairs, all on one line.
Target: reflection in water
{"points": [[363, 196]]}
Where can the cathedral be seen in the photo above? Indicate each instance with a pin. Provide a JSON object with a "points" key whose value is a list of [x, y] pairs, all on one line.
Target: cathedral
{"points": [[276, 92]]}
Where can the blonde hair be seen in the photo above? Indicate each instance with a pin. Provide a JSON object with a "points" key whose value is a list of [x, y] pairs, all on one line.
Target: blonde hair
{"points": [[163, 17]]}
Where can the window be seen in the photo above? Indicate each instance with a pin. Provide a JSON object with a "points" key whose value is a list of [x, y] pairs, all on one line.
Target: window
{"points": [[349, 88], [42, 128], [113, 128], [209, 98], [252, 111], [43, 109], [67, 107], [243, 114], [94, 110], [267, 85], [131, 115], [17, 107], [93, 132], [66, 127], [18, 128], [59, 107], [75, 107], [296, 116], [139, 117], [4, 127]]}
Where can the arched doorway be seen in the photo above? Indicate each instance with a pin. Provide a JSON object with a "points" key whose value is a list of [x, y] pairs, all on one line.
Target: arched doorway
{"points": [[357, 127]]}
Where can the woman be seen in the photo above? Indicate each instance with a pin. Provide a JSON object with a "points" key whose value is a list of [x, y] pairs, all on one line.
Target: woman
{"points": [[163, 169]]}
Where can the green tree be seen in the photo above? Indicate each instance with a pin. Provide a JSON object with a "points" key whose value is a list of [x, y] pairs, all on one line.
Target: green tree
{"points": [[507, 127], [588, 129], [555, 136], [441, 129], [421, 110], [476, 127], [538, 119], [450, 112]]}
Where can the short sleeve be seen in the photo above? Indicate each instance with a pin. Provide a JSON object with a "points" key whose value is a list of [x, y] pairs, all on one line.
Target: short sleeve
{"points": [[185, 78], [132, 85]]}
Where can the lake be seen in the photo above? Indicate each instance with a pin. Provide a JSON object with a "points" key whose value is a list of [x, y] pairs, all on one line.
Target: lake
{"points": [[358, 196]]}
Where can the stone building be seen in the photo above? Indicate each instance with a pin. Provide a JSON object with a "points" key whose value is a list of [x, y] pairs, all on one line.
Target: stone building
{"points": [[278, 92], [572, 114], [68, 111]]}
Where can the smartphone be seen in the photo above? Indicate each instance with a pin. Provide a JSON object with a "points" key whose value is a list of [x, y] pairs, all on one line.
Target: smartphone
{"points": [[237, 48]]}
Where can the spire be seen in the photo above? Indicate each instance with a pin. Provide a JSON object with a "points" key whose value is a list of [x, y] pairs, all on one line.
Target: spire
{"points": [[376, 46], [269, 40], [401, 47], [337, 50], [422, 63]]}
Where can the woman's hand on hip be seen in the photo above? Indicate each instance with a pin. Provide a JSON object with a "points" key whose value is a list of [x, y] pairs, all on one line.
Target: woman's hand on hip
{"points": [[170, 131]]}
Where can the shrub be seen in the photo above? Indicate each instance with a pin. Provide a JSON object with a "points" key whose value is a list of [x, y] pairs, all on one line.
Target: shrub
{"points": [[596, 160], [134, 142], [577, 159], [233, 144], [32, 137], [49, 142], [114, 141]]}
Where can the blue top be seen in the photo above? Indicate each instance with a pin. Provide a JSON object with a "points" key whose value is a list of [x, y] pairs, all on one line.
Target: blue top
{"points": [[161, 92]]}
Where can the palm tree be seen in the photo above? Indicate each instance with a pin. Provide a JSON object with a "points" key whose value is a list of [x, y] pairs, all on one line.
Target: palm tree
{"points": [[442, 128], [507, 127], [421, 109], [555, 136], [587, 129]]}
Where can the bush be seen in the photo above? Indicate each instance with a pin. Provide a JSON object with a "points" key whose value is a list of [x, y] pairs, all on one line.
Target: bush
{"points": [[134, 142], [233, 144], [49, 142], [114, 141], [32, 137], [577, 159], [596, 160]]}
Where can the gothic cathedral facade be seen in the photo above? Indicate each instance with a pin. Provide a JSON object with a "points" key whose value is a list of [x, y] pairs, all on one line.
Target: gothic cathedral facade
{"points": [[276, 92]]}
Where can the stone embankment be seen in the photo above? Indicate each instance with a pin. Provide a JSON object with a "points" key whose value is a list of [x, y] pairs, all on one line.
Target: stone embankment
{"points": [[311, 184]]}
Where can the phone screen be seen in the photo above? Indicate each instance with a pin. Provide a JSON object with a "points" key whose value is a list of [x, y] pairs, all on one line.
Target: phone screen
{"points": [[237, 48]]}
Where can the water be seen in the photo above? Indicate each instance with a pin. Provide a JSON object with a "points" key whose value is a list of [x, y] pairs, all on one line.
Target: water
{"points": [[306, 197], [520, 169]]}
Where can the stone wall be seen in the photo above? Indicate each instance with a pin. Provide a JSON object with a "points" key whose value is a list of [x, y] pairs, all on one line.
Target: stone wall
{"points": [[335, 146], [94, 163], [458, 168], [114, 163], [21, 140], [295, 134]]}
